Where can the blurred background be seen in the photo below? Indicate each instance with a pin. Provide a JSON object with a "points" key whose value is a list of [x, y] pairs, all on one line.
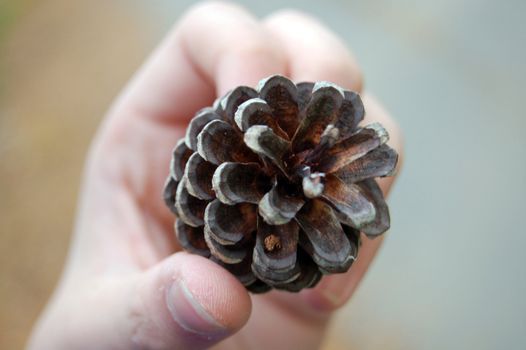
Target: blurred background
{"points": [[451, 274]]}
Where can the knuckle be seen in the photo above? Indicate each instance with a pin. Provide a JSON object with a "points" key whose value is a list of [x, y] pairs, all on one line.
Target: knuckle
{"points": [[256, 48], [338, 69], [342, 67]]}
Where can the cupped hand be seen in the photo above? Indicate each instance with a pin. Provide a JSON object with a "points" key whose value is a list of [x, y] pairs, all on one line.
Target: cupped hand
{"points": [[126, 284]]}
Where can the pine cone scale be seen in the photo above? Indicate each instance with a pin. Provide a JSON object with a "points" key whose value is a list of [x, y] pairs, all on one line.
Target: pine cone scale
{"points": [[198, 175], [351, 114], [309, 276], [351, 149], [278, 209], [242, 270], [231, 102], [324, 237], [349, 202], [257, 112], [321, 111], [276, 246], [381, 222], [169, 191], [240, 182], [180, 156], [191, 239], [379, 162], [229, 254], [219, 142], [264, 142], [230, 224], [190, 209], [304, 92], [282, 98], [196, 125]]}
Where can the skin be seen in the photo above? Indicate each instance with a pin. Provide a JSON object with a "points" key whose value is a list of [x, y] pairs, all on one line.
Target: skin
{"points": [[126, 284]]}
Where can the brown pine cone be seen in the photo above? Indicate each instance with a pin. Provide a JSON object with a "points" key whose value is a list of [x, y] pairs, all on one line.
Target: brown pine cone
{"points": [[275, 184]]}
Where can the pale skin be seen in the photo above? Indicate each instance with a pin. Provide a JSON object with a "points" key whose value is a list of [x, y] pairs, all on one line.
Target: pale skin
{"points": [[126, 284]]}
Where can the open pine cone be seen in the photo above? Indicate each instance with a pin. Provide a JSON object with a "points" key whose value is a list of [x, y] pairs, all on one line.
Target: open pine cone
{"points": [[276, 184]]}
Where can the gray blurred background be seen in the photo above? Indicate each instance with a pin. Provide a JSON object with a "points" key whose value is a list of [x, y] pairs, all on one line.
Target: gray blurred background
{"points": [[451, 272]]}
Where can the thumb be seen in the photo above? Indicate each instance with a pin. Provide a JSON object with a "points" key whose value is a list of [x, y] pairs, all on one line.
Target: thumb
{"points": [[184, 302]]}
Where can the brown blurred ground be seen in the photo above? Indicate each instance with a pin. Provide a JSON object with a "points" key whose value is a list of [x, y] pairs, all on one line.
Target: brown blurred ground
{"points": [[62, 62]]}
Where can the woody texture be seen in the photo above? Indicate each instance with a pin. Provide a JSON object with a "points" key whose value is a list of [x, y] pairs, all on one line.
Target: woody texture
{"points": [[276, 183]]}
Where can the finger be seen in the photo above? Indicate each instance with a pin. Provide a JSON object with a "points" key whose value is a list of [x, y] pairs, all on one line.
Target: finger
{"points": [[335, 290], [326, 58], [214, 47], [313, 51], [230, 46], [184, 302]]}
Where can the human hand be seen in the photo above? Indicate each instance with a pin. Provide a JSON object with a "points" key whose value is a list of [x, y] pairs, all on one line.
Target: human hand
{"points": [[125, 284]]}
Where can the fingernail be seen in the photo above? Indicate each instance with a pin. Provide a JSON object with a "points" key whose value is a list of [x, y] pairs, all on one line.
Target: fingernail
{"points": [[190, 314]]}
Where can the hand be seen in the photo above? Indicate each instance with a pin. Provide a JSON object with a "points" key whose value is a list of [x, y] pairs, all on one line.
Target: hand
{"points": [[126, 285]]}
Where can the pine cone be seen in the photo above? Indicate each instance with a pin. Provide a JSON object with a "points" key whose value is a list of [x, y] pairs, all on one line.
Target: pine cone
{"points": [[275, 184]]}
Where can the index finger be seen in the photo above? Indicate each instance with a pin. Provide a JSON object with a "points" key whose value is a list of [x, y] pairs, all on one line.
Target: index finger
{"points": [[213, 48]]}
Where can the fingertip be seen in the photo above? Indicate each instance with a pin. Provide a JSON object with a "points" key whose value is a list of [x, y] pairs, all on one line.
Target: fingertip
{"points": [[314, 52], [248, 64], [186, 301], [229, 45], [217, 291]]}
